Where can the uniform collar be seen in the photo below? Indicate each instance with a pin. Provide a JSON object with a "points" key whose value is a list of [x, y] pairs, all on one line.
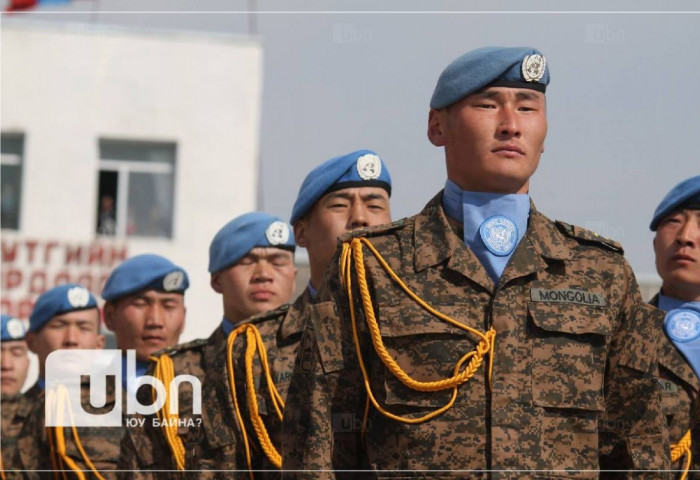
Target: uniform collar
{"points": [[435, 241], [293, 320]]}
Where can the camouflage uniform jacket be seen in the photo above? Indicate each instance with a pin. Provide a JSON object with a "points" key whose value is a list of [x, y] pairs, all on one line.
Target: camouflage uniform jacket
{"points": [[695, 434], [15, 411], [573, 388], [680, 386], [144, 446], [223, 448], [101, 444]]}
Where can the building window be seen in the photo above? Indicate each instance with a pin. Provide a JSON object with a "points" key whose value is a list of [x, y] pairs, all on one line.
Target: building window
{"points": [[136, 188], [11, 176]]}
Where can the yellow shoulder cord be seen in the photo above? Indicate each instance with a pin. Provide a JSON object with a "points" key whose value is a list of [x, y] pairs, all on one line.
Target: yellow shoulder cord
{"points": [[59, 399], [56, 463], [353, 252], [2, 469], [682, 448], [165, 372], [254, 344]]}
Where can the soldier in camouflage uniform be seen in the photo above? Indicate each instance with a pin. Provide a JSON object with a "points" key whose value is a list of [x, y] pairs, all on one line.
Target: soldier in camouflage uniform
{"points": [[342, 194], [65, 317], [145, 308], [15, 363], [252, 267], [481, 339], [676, 222]]}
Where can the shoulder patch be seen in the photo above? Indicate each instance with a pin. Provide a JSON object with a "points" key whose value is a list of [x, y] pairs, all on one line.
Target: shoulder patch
{"points": [[588, 236], [269, 315], [197, 344], [374, 231]]}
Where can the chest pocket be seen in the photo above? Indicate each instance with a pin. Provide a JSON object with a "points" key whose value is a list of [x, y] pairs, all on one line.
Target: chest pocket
{"points": [[427, 349], [569, 353]]}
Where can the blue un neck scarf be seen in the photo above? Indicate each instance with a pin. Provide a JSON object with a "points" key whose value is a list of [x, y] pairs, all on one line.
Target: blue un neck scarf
{"points": [[682, 327], [312, 291], [494, 223], [141, 368], [227, 326]]}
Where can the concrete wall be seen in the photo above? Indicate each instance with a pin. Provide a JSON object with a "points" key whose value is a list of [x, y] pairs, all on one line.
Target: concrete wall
{"points": [[65, 87]]}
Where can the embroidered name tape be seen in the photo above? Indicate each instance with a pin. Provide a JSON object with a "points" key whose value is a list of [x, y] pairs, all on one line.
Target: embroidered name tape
{"points": [[558, 295]]}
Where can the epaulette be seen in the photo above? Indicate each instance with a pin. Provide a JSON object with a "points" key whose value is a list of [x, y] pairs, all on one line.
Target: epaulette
{"points": [[278, 312], [579, 233], [182, 347], [373, 231]]}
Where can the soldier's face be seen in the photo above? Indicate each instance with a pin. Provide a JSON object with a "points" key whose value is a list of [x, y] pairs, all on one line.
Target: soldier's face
{"points": [[78, 329], [334, 214], [146, 321], [15, 363], [677, 249], [493, 139], [261, 281]]}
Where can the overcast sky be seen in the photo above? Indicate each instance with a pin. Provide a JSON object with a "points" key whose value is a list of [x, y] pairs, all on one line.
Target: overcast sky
{"points": [[623, 102]]}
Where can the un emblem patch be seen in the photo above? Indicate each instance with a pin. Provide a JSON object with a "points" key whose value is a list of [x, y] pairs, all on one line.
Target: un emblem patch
{"points": [[500, 235], [683, 325]]}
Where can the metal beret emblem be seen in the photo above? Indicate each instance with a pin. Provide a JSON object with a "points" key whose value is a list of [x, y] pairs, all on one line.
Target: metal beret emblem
{"points": [[14, 328], [369, 167], [173, 281], [533, 67], [277, 233], [78, 297]]}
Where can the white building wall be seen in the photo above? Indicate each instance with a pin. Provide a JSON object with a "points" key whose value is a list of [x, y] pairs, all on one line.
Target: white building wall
{"points": [[66, 86]]}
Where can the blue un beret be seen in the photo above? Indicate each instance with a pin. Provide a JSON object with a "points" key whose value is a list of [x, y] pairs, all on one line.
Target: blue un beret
{"points": [[519, 67], [66, 298], [242, 234], [362, 168], [12, 329], [688, 191], [145, 272]]}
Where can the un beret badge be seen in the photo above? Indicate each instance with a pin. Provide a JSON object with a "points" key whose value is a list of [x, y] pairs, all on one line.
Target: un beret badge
{"points": [[369, 167], [14, 328], [277, 233], [533, 67], [173, 281], [78, 297]]}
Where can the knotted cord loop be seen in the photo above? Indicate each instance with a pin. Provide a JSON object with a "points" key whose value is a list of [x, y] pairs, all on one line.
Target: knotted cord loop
{"points": [[352, 254]]}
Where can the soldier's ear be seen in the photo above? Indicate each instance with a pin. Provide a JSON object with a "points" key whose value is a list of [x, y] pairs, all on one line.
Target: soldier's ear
{"points": [[300, 232], [108, 312], [30, 338], [215, 282], [435, 127]]}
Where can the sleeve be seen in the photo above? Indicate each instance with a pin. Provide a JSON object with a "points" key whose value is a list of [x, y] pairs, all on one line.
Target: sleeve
{"points": [[129, 464], [325, 402], [32, 451], [220, 447], [633, 430], [695, 434]]}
